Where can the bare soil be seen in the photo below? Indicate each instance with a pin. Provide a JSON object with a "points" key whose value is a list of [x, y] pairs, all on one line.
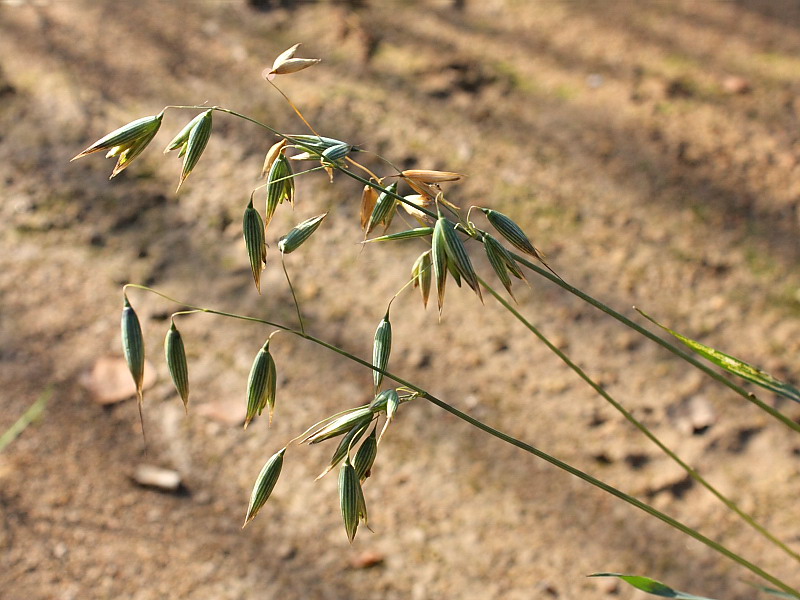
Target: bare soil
{"points": [[651, 149]]}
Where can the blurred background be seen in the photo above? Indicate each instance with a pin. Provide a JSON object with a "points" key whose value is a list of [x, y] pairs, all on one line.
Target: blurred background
{"points": [[650, 149]]}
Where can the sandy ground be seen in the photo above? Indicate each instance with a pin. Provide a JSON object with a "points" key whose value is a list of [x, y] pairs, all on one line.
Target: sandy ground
{"points": [[651, 149]]}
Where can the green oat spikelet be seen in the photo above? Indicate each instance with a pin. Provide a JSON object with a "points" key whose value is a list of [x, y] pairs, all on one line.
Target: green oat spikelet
{"points": [[127, 142], [381, 349], [340, 425], [176, 362], [514, 234], [439, 256], [280, 185], [133, 348], [459, 257], [261, 385], [365, 457], [348, 441], [384, 209], [265, 483], [421, 273], [496, 259], [297, 236], [351, 499], [255, 241], [191, 141]]}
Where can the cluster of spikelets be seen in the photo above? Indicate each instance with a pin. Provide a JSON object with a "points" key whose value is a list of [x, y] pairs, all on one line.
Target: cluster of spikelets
{"points": [[447, 256]]}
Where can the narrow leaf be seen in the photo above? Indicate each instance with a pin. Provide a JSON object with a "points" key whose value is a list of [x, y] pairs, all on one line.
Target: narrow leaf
{"points": [[340, 425], [498, 264], [651, 586], [734, 365]]}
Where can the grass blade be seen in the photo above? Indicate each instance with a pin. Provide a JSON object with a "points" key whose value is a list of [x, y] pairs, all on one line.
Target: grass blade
{"points": [[733, 365], [651, 586]]}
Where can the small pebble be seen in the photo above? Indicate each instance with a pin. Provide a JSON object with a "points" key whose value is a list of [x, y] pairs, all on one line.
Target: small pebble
{"points": [[158, 478]]}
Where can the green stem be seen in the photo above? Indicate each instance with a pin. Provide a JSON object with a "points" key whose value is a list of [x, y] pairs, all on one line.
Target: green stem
{"points": [[294, 296], [638, 424], [506, 438]]}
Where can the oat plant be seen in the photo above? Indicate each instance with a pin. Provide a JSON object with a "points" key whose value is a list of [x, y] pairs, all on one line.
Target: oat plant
{"points": [[450, 239]]}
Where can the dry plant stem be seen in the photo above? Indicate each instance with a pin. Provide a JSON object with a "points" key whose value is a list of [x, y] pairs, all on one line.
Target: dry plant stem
{"points": [[639, 425], [294, 108], [504, 437]]}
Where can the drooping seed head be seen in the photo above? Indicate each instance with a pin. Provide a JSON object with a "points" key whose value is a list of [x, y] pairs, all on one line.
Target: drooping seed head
{"points": [[265, 483], [195, 144], [258, 384], [421, 273], [176, 362], [439, 259], [133, 344], [349, 440], [365, 457], [381, 349], [351, 499], [286, 63], [511, 231], [127, 142], [340, 425], [255, 242], [297, 236], [384, 208], [458, 254], [273, 153]]}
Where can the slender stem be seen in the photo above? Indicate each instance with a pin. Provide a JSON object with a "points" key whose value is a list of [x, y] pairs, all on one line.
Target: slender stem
{"points": [[294, 296], [506, 438], [294, 108], [638, 424], [362, 167]]}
